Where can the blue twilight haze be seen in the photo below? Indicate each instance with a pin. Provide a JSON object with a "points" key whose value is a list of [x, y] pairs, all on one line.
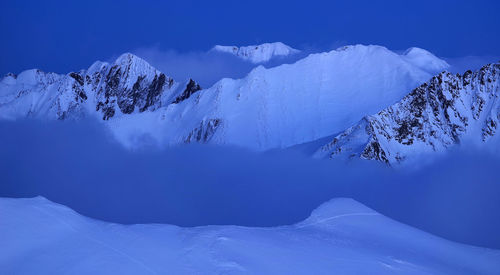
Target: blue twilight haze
{"points": [[63, 36], [201, 185], [250, 137]]}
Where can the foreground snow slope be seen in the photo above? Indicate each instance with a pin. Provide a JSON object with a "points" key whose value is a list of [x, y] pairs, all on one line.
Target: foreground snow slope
{"points": [[340, 237], [315, 97], [445, 111]]}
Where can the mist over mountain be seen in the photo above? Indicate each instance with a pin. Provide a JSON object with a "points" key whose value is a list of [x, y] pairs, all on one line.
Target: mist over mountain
{"points": [[250, 137], [314, 98], [241, 147], [316, 92], [209, 66], [80, 164]]}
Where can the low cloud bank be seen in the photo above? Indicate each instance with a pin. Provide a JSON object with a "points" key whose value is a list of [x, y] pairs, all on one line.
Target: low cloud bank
{"points": [[79, 165], [204, 67], [208, 67]]}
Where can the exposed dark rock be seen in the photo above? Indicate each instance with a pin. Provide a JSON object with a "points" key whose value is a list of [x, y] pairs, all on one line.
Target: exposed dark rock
{"points": [[404, 133], [432, 117], [78, 78], [82, 95], [154, 90], [191, 88], [204, 132], [108, 113], [11, 75], [374, 151], [144, 94], [489, 129]]}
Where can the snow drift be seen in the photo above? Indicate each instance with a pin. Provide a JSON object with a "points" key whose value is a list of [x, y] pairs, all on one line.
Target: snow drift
{"points": [[341, 236]]}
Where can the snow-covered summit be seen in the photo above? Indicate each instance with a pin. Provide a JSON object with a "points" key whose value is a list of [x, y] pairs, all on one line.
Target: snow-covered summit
{"points": [[133, 66], [338, 208], [425, 59], [128, 85], [313, 98], [442, 113], [258, 53]]}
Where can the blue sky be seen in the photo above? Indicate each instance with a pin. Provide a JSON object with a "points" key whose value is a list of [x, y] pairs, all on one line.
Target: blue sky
{"points": [[62, 36]]}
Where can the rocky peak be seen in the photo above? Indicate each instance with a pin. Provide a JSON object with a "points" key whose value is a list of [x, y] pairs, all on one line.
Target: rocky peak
{"points": [[128, 68], [127, 85], [425, 60], [441, 113], [131, 84]]}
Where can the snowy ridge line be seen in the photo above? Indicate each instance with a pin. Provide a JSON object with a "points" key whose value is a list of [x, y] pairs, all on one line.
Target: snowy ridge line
{"points": [[446, 112], [270, 108], [258, 53], [336, 217]]}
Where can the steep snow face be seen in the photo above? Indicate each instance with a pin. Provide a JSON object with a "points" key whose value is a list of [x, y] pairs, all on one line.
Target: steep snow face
{"points": [[337, 237], [317, 96], [258, 53], [440, 114], [34, 93]]}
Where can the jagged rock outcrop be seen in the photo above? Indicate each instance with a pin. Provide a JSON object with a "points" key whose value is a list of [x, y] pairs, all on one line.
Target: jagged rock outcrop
{"points": [[191, 88], [126, 86], [130, 84], [204, 132], [445, 111]]}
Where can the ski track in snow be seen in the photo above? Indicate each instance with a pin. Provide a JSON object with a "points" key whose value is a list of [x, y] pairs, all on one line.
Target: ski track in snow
{"points": [[337, 217]]}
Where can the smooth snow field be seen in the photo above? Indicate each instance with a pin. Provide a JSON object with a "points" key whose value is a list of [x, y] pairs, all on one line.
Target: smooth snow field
{"points": [[340, 237]]}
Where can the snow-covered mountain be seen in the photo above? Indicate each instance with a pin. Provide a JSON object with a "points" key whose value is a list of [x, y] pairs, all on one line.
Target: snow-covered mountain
{"points": [[340, 237], [315, 97], [441, 113], [425, 60], [129, 85], [258, 53]]}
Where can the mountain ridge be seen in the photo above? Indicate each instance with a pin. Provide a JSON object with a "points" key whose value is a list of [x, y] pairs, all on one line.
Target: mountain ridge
{"points": [[443, 112], [258, 53], [276, 107]]}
